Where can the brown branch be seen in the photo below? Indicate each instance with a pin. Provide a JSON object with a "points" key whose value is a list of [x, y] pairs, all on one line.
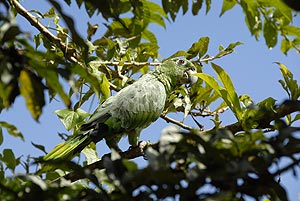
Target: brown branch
{"points": [[70, 53], [287, 107], [129, 154], [178, 123], [282, 110]]}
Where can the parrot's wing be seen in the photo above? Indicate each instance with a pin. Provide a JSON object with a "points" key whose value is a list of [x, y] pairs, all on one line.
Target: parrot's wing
{"points": [[134, 107]]}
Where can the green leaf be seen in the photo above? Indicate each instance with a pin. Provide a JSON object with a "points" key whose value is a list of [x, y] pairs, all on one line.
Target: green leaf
{"points": [[253, 21], [289, 84], [50, 13], [12, 130], [268, 103], [203, 42], [228, 93], [91, 154], [228, 85], [270, 33], [105, 86], [291, 30], [200, 47], [130, 165], [32, 90], [9, 159], [157, 14], [148, 35], [40, 147], [70, 118], [196, 6], [208, 5], [229, 49], [227, 5], [92, 30], [188, 105], [285, 46], [283, 9], [180, 53]]}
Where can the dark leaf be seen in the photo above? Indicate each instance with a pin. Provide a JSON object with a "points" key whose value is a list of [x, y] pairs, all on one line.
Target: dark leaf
{"points": [[270, 33], [40, 147], [196, 6]]}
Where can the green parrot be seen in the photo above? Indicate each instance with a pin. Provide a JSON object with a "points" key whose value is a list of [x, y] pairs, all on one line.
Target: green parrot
{"points": [[130, 110]]}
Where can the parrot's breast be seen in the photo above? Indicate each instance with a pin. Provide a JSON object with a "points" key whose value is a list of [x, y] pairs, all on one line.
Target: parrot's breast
{"points": [[139, 104]]}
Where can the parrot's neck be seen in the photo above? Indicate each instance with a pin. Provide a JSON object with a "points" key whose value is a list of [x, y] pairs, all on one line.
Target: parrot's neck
{"points": [[164, 77]]}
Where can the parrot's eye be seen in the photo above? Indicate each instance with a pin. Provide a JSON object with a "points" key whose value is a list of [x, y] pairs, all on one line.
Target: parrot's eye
{"points": [[181, 62]]}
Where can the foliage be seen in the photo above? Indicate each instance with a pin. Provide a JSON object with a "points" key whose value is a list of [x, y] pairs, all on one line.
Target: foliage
{"points": [[232, 162]]}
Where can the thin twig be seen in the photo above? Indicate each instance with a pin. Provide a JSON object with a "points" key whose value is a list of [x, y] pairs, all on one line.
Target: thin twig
{"points": [[206, 113], [178, 123], [70, 53], [127, 63], [214, 57]]}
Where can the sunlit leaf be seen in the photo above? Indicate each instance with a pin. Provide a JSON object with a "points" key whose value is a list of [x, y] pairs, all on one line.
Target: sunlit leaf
{"points": [[285, 46], [12, 130], [71, 118], [289, 84], [252, 15], [208, 5], [227, 5], [32, 90], [200, 47]]}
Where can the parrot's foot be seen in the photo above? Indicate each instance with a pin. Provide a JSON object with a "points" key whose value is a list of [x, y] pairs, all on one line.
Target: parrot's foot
{"points": [[141, 146]]}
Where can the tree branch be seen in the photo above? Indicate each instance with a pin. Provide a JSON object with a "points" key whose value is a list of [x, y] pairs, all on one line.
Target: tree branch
{"points": [[70, 53], [287, 107], [129, 154], [178, 123]]}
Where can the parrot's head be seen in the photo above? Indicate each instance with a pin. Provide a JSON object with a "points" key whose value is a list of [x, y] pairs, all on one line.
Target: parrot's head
{"points": [[182, 70]]}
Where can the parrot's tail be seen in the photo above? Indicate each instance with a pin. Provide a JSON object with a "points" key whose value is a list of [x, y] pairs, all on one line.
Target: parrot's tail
{"points": [[69, 148]]}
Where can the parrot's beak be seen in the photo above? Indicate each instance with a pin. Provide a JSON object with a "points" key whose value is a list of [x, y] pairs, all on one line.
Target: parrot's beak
{"points": [[191, 78]]}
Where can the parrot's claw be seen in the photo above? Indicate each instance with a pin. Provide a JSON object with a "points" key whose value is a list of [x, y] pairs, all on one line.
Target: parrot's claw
{"points": [[141, 145]]}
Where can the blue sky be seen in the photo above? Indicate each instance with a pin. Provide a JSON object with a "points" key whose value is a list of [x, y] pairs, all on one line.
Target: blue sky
{"points": [[251, 68]]}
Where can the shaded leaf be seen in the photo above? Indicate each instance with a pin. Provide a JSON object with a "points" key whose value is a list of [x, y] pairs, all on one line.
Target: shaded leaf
{"points": [[196, 6], [40, 147], [91, 30], [9, 159], [32, 90], [270, 33]]}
